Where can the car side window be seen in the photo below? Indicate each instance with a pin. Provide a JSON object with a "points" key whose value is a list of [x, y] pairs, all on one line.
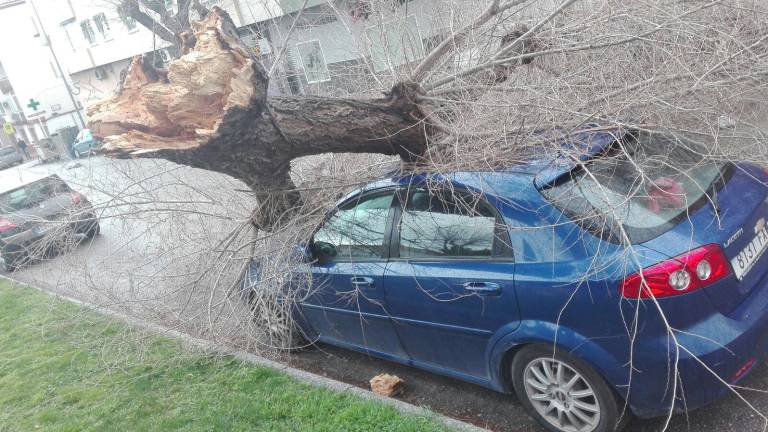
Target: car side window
{"points": [[446, 224], [357, 229]]}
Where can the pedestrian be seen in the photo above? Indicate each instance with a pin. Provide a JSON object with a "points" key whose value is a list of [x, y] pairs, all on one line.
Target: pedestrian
{"points": [[23, 148]]}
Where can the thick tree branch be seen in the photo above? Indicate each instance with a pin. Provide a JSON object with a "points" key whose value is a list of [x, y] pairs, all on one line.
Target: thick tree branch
{"points": [[211, 112]]}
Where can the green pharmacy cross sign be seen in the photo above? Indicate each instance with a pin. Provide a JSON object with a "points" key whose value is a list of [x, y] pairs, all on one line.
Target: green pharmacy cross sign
{"points": [[33, 104]]}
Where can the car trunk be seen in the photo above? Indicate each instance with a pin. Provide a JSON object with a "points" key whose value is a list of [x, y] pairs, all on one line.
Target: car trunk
{"points": [[679, 200], [743, 236], [740, 199]]}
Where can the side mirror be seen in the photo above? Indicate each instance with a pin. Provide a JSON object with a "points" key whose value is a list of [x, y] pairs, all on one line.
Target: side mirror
{"points": [[323, 251]]}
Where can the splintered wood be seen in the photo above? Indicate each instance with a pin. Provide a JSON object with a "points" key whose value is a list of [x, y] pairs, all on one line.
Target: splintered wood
{"points": [[181, 107]]}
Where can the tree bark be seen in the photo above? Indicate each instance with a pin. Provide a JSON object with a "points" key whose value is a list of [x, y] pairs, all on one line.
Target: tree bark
{"points": [[211, 111]]}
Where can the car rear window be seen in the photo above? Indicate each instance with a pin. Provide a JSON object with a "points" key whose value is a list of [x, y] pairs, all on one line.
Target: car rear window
{"points": [[6, 151], [645, 183], [32, 194]]}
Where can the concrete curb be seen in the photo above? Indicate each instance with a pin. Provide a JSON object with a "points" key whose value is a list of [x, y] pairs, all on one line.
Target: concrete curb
{"points": [[301, 375]]}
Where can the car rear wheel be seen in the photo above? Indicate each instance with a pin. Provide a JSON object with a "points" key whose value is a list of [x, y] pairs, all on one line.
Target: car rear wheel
{"points": [[563, 393]]}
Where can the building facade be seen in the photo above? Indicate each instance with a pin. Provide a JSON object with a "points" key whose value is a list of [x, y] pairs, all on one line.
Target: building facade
{"points": [[337, 47], [93, 45], [33, 95]]}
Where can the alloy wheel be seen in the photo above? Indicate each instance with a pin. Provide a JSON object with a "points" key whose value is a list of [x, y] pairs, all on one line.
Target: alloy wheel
{"points": [[562, 396]]}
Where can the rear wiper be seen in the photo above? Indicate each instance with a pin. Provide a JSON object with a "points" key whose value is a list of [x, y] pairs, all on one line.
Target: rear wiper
{"points": [[715, 201], [716, 184]]}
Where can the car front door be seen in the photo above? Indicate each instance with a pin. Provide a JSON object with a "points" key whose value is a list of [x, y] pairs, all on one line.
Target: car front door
{"points": [[450, 280], [346, 302]]}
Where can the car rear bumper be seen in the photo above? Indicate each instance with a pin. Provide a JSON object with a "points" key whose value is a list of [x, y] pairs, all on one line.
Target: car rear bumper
{"points": [[714, 354]]}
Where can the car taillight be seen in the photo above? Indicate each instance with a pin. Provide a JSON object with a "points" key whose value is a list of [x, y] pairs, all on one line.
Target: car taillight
{"points": [[679, 275], [76, 198], [6, 225]]}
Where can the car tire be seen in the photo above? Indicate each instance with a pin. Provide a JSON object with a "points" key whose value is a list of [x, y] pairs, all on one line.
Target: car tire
{"points": [[280, 330], [569, 397], [12, 264]]}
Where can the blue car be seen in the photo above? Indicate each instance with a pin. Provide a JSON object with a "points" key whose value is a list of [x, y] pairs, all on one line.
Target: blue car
{"points": [[84, 144], [590, 289]]}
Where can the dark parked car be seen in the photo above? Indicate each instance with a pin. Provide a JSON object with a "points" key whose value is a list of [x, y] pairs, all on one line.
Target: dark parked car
{"points": [[9, 157], [39, 216], [559, 279]]}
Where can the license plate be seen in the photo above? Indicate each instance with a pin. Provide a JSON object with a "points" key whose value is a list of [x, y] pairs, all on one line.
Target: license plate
{"points": [[746, 259]]}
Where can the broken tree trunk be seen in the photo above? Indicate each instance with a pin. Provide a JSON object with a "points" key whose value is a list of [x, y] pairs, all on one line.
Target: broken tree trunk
{"points": [[210, 110]]}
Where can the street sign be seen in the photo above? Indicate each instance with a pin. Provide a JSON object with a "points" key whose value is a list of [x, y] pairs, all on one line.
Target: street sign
{"points": [[37, 114], [33, 104], [9, 129]]}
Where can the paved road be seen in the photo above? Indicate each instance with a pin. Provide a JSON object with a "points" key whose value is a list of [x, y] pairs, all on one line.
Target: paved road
{"points": [[160, 223]]}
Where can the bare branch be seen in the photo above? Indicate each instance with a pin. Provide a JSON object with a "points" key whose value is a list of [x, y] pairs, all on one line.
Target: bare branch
{"points": [[132, 9], [287, 38], [457, 39]]}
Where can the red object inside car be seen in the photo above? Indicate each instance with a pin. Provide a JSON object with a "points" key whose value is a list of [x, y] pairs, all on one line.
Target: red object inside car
{"points": [[665, 193]]}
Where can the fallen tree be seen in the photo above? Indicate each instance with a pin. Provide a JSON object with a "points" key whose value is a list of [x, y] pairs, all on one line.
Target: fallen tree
{"points": [[210, 110], [683, 66]]}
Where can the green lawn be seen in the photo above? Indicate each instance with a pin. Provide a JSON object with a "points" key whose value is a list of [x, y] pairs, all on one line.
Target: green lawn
{"points": [[64, 368]]}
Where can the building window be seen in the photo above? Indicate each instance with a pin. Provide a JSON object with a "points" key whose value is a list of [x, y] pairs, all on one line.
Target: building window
{"points": [[102, 25], [128, 22], [88, 33], [313, 61]]}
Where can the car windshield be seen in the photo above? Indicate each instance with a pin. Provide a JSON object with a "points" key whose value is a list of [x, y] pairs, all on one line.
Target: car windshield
{"points": [[644, 183], [32, 194]]}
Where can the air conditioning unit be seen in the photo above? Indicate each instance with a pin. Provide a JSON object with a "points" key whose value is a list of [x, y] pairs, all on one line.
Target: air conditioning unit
{"points": [[100, 74]]}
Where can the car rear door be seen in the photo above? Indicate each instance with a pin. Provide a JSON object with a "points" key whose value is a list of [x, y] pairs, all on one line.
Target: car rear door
{"points": [[450, 281], [345, 305]]}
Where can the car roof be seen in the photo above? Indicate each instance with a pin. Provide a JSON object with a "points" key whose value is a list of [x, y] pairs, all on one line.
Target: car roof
{"points": [[518, 181], [15, 178]]}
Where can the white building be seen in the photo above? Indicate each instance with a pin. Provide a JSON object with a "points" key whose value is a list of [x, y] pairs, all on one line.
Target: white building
{"points": [[335, 48], [96, 43], [33, 96], [93, 44], [364, 46], [349, 46]]}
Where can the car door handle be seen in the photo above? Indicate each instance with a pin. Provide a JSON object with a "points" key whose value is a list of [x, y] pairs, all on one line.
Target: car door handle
{"points": [[362, 282], [483, 288]]}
